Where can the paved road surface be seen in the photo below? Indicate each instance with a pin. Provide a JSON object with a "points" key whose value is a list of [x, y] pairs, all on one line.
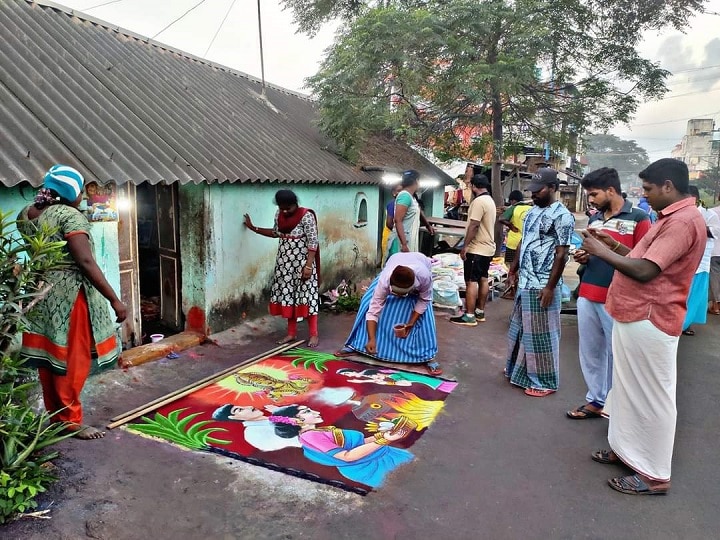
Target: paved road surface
{"points": [[495, 465]]}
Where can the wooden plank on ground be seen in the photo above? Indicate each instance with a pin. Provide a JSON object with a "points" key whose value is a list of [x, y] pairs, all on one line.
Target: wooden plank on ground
{"points": [[154, 351]]}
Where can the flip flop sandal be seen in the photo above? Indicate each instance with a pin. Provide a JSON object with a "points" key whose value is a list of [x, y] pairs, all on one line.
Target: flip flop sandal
{"points": [[434, 368], [538, 392], [634, 485], [344, 352], [606, 457], [688, 332], [583, 413]]}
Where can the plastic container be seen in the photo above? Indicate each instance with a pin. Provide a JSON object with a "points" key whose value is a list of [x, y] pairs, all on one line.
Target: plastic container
{"points": [[156, 337]]}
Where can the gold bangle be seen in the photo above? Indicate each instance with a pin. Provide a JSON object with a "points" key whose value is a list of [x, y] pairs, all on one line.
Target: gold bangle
{"points": [[380, 439], [616, 246]]}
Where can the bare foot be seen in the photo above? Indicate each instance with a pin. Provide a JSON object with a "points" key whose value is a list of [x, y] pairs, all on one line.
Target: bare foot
{"points": [[313, 342], [286, 339], [87, 433]]}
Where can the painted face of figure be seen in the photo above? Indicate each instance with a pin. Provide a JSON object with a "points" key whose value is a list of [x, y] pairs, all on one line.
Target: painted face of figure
{"points": [[91, 189], [245, 414], [599, 198], [543, 197], [309, 417]]}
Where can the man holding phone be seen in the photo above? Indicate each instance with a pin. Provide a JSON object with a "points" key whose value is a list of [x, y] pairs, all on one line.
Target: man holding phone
{"points": [[616, 217]]}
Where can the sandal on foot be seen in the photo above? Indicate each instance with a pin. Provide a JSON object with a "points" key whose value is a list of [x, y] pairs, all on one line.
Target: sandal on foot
{"points": [[688, 332], [634, 485], [434, 368], [344, 352], [538, 392], [583, 413], [606, 457]]}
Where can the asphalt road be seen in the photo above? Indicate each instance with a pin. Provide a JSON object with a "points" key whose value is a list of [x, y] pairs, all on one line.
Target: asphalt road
{"points": [[496, 464]]}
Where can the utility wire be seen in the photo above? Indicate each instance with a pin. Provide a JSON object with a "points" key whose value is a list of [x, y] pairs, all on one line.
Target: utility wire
{"points": [[683, 119], [101, 5], [694, 81], [690, 94], [688, 70], [180, 17], [219, 28]]}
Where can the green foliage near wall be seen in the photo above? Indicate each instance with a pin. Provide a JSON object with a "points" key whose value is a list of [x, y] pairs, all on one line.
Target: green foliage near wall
{"points": [[24, 433]]}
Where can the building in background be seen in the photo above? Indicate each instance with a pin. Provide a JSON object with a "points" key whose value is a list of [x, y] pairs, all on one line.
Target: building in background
{"points": [[700, 146]]}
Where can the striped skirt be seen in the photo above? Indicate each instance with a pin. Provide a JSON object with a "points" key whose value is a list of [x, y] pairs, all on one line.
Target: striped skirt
{"points": [[420, 346], [533, 359]]}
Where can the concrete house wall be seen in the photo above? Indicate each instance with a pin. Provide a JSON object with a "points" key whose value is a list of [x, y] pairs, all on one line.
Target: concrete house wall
{"points": [[227, 269]]}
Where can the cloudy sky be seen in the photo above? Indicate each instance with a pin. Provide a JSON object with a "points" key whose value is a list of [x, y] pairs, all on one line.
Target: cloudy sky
{"points": [[693, 56]]}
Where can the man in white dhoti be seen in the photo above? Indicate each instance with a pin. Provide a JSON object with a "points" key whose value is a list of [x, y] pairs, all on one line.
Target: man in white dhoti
{"points": [[647, 300]]}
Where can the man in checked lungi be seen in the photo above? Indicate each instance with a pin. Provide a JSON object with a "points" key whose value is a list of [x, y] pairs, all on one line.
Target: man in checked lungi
{"points": [[533, 359]]}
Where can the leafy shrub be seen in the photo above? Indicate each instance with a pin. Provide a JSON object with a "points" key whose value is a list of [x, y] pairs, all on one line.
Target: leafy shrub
{"points": [[24, 433], [350, 302]]}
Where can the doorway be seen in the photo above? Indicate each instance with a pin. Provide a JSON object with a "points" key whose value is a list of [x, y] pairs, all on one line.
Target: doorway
{"points": [[158, 260]]}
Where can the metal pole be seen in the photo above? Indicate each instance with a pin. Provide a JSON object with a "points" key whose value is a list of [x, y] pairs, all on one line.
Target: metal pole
{"points": [[262, 61]]}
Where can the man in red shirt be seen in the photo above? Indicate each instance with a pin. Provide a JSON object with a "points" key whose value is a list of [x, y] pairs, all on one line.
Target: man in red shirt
{"points": [[647, 300]]}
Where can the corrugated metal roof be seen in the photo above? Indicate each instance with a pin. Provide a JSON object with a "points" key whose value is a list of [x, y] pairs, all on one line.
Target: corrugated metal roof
{"points": [[121, 108]]}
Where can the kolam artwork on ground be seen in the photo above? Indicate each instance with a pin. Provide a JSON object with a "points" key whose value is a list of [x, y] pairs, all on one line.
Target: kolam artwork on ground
{"points": [[309, 414]]}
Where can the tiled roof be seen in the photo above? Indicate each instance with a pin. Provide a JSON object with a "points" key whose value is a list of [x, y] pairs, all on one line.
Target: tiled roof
{"points": [[120, 108]]}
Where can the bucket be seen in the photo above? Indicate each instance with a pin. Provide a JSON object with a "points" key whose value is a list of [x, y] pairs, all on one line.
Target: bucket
{"points": [[156, 337]]}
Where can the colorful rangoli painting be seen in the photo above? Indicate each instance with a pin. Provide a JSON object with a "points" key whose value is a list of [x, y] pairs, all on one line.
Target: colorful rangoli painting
{"points": [[309, 414]]}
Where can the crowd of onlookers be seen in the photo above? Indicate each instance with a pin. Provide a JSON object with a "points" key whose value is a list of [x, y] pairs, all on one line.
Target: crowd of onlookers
{"points": [[648, 275]]}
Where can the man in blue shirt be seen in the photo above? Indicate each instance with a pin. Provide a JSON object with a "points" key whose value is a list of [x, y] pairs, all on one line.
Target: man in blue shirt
{"points": [[533, 358]]}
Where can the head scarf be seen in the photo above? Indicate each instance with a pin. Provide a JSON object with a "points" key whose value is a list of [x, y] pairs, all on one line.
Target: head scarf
{"points": [[65, 181]]}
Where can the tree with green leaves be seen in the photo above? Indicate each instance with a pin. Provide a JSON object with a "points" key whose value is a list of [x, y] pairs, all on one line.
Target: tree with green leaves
{"points": [[627, 157], [709, 181], [506, 71]]}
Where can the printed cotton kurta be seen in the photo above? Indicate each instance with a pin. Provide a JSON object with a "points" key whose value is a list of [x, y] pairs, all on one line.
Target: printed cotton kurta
{"points": [[290, 295]]}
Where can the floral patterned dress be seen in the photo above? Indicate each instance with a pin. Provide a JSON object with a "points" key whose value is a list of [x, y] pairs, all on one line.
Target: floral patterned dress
{"points": [[290, 295]]}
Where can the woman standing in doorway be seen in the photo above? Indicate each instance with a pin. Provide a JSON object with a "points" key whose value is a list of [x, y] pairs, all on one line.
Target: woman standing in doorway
{"points": [[294, 289], [405, 236], [71, 333]]}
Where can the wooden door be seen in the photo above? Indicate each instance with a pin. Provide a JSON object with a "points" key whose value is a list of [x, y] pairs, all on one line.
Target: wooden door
{"points": [[169, 248], [131, 330]]}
